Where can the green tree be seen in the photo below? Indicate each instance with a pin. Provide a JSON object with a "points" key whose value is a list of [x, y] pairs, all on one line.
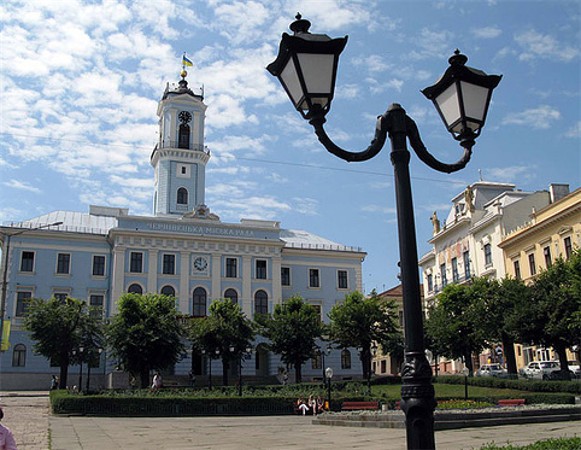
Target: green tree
{"points": [[58, 327], [453, 324], [292, 331], [227, 330], [145, 334], [360, 321], [551, 317], [496, 301]]}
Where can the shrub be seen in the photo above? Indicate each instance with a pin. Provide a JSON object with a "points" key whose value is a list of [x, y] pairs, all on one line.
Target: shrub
{"points": [[573, 443]]}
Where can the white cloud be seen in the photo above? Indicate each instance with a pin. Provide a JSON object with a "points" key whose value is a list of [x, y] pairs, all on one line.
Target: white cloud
{"points": [[16, 184], [487, 32], [574, 131], [540, 118], [510, 174], [537, 45]]}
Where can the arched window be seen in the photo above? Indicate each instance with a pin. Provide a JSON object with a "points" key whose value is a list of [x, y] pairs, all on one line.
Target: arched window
{"points": [[199, 306], [317, 361], [182, 196], [168, 290], [19, 355], [345, 359], [232, 295], [260, 302], [184, 136], [135, 289]]}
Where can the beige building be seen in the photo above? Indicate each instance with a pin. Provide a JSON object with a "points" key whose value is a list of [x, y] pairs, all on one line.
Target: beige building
{"points": [[551, 232]]}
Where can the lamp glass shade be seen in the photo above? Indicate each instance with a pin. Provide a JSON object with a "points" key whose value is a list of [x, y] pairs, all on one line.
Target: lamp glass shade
{"points": [[329, 372], [475, 99], [318, 73]]}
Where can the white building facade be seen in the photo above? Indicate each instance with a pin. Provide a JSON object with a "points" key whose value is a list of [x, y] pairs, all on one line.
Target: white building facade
{"points": [[465, 245], [182, 250]]}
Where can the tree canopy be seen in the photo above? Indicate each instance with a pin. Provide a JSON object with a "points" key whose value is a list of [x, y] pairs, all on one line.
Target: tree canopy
{"points": [[145, 334], [59, 326], [292, 330], [360, 321], [226, 329]]}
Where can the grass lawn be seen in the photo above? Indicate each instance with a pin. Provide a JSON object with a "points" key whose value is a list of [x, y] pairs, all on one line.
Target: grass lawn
{"points": [[450, 391]]}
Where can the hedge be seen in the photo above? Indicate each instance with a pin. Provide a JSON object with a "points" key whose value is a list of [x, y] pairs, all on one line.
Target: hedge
{"points": [[571, 387]]}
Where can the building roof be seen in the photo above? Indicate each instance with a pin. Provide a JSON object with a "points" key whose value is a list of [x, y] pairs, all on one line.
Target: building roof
{"points": [[100, 220]]}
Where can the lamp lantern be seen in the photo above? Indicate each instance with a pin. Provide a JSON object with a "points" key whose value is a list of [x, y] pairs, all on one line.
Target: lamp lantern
{"points": [[306, 66], [462, 96]]}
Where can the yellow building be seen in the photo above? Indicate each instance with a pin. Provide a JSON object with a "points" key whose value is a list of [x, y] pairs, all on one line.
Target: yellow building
{"points": [[553, 231]]}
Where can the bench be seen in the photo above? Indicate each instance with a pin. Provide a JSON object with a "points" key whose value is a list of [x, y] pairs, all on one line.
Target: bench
{"points": [[353, 406], [511, 402]]}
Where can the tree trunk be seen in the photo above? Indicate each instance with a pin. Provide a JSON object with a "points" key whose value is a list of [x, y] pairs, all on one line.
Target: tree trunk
{"points": [[144, 378], [64, 370], [509, 355], [561, 351], [298, 373]]}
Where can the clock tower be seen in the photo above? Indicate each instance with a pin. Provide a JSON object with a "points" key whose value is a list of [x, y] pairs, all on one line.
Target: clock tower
{"points": [[179, 158]]}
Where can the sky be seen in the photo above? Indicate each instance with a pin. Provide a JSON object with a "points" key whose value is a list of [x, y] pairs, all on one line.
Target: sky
{"points": [[80, 81]]}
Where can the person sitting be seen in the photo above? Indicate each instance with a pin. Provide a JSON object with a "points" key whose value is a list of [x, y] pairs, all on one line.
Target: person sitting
{"points": [[301, 406]]}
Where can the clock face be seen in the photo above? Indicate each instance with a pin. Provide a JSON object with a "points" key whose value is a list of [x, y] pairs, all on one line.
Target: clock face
{"points": [[200, 264], [185, 117]]}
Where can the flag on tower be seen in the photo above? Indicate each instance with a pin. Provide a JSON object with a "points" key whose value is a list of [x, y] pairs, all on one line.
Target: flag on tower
{"points": [[186, 61]]}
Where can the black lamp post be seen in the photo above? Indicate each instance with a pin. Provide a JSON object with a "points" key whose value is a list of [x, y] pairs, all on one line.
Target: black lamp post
{"points": [[328, 376], [306, 66], [246, 355], [372, 355]]}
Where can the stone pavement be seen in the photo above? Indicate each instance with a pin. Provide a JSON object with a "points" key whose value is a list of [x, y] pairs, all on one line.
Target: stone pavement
{"points": [[29, 419]]}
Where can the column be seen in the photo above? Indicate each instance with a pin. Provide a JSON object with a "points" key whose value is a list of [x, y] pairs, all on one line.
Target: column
{"points": [[247, 297], [117, 277], [184, 291], [152, 272]]}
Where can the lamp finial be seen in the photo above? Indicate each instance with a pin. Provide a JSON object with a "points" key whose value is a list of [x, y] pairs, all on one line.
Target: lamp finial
{"points": [[300, 25]]}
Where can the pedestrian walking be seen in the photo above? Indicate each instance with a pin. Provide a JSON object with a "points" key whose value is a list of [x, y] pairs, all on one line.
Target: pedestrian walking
{"points": [[7, 441]]}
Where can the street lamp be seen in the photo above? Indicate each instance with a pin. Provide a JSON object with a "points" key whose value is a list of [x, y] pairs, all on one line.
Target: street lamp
{"points": [[328, 376], [465, 371], [91, 355], [372, 355], [323, 352], [306, 66], [6, 254]]}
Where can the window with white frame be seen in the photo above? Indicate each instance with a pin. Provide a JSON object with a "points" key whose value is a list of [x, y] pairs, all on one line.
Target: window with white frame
{"points": [[314, 278], [98, 265], [231, 267], [96, 302], [455, 274], [63, 264], [532, 264], [547, 255], [169, 264], [261, 269], [342, 280], [568, 247], [27, 261], [19, 356], [22, 301], [285, 276], [261, 302], [487, 255], [136, 262]]}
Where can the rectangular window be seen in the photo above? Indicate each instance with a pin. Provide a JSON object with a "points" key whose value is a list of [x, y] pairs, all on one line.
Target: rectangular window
{"points": [[532, 266], [319, 310], [455, 276], [314, 281], [430, 278], [169, 264], [568, 247], [22, 299], [488, 255], [383, 365], [342, 279], [443, 274], [547, 255], [466, 257], [96, 304], [61, 296], [136, 262], [316, 362], [231, 267], [27, 262], [98, 265], [516, 265], [285, 276], [261, 269], [63, 265]]}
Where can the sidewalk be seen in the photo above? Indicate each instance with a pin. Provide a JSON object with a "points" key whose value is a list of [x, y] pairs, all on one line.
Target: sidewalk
{"points": [[29, 419]]}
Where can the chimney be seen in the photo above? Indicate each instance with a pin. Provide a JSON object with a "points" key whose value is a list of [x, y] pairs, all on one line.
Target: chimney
{"points": [[558, 191]]}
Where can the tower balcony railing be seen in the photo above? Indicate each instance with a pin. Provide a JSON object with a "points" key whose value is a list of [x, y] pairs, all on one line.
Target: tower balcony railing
{"points": [[181, 145]]}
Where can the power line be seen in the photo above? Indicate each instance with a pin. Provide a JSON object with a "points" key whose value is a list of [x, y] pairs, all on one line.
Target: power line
{"points": [[241, 158]]}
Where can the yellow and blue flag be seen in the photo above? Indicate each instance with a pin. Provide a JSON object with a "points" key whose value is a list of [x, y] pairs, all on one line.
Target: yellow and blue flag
{"points": [[186, 61]]}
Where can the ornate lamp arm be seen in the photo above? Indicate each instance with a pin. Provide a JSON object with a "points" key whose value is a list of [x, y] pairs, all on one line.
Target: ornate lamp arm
{"points": [[394, 121]]}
